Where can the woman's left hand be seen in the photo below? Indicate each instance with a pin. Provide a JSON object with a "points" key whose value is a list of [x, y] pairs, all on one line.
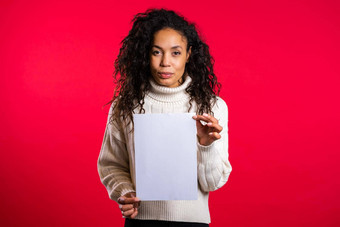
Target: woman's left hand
{"points": [[209, 132]]}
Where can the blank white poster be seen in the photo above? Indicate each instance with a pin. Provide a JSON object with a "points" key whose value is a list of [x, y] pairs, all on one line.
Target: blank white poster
{"points": [[166, 156]]}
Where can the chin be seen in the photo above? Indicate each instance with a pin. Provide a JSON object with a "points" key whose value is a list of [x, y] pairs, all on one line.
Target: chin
{"points": [[165, 84]]}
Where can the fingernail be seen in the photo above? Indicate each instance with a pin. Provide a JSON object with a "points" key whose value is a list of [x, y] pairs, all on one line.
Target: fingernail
{"points": [[205, 115], [210, 124]]}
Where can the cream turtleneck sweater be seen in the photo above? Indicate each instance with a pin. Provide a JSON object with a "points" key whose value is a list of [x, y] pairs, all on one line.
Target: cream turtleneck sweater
{"points": [[116, 162]]}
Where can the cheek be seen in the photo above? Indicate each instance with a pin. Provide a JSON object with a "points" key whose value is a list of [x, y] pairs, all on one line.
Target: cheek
{"points": [[180, 65], [152, 64]]}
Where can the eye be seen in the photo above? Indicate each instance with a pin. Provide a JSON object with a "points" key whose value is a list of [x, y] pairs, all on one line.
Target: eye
{"points": [[176, 53], [156, 52]]}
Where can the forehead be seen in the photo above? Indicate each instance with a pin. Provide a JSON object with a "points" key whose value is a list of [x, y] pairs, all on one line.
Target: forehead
{"points": [[169, 37]]}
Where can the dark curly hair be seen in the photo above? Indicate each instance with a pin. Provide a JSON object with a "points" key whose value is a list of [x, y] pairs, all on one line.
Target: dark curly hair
{"points": [[132, 66]]}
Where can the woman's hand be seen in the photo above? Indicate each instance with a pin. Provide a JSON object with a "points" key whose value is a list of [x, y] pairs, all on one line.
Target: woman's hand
{"points": [[209, 132], [129, 204]]}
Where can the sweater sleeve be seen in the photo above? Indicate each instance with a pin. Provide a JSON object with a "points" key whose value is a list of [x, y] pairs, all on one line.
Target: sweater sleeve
{"points": [[113, 162], [213, 165]]}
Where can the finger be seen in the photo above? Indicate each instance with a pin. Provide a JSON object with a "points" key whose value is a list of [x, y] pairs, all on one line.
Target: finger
{"points": [[128, 212], [124, 200], [206, 118], [214, 126], [200, 120], [214, 135], [134, 213], [136, 205], [127, 207], [199, 124], [210, 118]]}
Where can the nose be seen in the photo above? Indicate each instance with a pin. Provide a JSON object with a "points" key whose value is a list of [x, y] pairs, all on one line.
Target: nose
{"points": [[165, 62]]}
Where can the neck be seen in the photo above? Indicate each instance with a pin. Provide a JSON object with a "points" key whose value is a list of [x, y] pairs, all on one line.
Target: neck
{"points": [[167, 94]]}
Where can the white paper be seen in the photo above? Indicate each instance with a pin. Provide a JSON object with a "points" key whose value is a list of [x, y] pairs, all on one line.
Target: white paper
{"points": [[166, 156]]}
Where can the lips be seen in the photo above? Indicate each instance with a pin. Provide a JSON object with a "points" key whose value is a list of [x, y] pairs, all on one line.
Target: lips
{"points": [[165, 75]]}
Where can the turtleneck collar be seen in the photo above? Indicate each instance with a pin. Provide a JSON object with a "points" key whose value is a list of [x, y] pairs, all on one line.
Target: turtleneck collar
{"points": [[167, 94]]}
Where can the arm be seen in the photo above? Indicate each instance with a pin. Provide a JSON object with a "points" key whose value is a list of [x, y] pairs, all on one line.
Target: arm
{"points": [[113, 162], [213, 165]]}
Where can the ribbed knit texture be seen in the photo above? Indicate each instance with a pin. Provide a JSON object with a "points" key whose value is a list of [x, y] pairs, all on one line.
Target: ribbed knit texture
{"points": [[116, 163]]}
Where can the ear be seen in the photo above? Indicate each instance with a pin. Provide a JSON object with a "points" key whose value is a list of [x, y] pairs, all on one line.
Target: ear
{"points": [[188, 54]]}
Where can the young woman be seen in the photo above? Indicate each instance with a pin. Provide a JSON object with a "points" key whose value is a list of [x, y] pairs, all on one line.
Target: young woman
{"points": [[164, 67]]}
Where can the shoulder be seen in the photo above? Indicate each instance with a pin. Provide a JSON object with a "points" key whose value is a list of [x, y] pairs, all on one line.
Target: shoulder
{"points": [[220, 105], [220, 111], [113, 123]]}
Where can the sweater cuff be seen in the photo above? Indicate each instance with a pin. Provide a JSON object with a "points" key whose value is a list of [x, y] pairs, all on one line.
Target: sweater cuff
{"points": [[127, 190], [206, 153], [123, 190]]}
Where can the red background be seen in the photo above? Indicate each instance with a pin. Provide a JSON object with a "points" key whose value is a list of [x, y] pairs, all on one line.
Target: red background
{"points": [[279, 67]]}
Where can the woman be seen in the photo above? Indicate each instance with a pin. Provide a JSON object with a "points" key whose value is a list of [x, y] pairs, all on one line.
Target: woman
{"points": [[164, 67]]}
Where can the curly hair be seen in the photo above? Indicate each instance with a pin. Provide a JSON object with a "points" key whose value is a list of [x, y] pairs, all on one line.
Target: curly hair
{"points": [[132, 66]]}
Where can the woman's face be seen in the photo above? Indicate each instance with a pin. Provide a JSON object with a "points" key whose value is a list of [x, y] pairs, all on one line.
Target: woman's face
{"points": [[168, 57]]}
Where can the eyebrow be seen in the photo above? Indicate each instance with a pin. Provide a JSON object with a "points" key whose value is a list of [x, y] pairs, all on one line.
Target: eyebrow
{"points": [[174, 47]]}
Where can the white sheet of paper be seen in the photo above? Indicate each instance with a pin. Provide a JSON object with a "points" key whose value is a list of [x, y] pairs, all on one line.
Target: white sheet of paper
{"points": [[166, 156]]}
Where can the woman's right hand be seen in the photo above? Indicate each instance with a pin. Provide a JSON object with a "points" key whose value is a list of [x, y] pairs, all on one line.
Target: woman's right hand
{"points": [[129, 204]]}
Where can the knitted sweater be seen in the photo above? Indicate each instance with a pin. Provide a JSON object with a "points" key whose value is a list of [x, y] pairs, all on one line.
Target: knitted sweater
{"points": [[116, 162]]}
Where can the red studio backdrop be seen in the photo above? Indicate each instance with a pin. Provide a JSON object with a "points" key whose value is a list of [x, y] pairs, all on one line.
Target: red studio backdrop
{"points": [[278, 63]]}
